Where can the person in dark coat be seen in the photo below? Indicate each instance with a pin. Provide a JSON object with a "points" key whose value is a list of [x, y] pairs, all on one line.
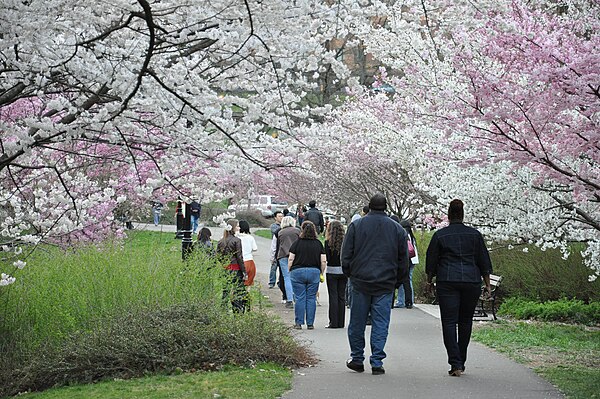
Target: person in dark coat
{"points": [[458, 259], [375, 259], [315, 216]]}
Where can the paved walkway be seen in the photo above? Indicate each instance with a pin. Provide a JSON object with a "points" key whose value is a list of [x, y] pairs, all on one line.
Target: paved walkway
{"points": [[416, 365]]}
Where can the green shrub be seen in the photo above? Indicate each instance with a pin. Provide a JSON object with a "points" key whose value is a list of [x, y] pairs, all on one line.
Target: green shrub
{"points": [[537, 275], [124, 309], [146, 341], [563, 310]]}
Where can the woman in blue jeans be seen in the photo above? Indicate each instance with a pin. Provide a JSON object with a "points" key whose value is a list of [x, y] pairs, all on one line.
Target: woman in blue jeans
{"points": [[307, 262]]}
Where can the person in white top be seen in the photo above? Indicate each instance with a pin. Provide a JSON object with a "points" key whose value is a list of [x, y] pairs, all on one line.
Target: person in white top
{"points": [[248, 246]]}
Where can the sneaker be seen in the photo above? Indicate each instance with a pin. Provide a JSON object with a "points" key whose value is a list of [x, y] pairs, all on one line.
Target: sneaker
{"points": [[289, 305], [409, 306], [397, 305], [356, 366], [455, 372], [271, 286], [297, 327], [378, 370], [311, 327]]}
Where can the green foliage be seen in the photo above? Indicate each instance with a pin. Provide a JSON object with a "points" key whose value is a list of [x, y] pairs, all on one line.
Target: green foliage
{"points": [[254, 218], [263, 381], [264, 233], [123, 310], [564, 310], [567, 355], [535, 274], [544, 275]]}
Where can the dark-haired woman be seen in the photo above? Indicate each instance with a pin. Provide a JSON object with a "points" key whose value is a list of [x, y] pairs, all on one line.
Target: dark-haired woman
{"points": [[458, 258], [248, 246], [204, 242], [306, 263], [230, 247], [336, 280]]}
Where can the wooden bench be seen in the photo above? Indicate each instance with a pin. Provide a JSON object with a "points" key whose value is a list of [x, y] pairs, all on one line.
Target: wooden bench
{"points": [[490, 300]]}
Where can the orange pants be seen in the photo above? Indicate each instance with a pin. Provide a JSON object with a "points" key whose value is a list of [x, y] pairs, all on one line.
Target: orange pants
{"points": [[251, 270]]}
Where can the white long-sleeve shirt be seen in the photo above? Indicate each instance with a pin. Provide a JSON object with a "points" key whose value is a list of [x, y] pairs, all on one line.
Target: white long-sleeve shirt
{"points": [[248, 245]]}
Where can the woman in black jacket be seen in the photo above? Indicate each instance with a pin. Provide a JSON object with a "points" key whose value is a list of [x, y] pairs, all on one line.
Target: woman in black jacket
{"points": [[458, 258]]}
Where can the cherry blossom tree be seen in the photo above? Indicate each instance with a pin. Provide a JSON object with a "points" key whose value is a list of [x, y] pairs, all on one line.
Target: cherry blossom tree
{"points": [[505, 99], [108, 102]]}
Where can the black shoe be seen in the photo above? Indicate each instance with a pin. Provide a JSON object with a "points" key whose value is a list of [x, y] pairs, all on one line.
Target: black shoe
{"points": [[311, 327], [455, 372], [377, 370], [409, 306], [297, 327], [356, 366]]}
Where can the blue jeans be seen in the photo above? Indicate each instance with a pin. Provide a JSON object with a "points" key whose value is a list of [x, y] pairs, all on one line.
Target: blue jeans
{"points": [[195, 223], [457, 304], [380, 307], [400, 302], [156, 215], [305, 281], [273, 274], [285, 274]]}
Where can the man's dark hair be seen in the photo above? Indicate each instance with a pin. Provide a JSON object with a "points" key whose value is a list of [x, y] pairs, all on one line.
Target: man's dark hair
{"points": [[285, 212], [312, 203], [366, 209], [276, 213], [378, 202], [244, 227], [456, 212]]}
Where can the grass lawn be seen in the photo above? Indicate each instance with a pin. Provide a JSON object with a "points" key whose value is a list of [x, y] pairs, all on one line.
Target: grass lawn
{"points": [[566, 355], [264, 381], [265, 233]]}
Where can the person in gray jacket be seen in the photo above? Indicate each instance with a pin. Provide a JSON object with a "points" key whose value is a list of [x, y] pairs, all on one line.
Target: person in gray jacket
{"points": [[375, 258]]}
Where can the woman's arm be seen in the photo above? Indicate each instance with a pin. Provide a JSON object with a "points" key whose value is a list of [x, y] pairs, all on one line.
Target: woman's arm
{"points": [[291, 260], [323, 263]]}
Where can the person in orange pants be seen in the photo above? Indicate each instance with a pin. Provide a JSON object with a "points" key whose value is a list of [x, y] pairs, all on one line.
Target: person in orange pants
{"points": [[248, 246]]}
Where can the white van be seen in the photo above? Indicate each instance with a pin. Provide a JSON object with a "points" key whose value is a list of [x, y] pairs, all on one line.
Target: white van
{"points": [[266, 204]]}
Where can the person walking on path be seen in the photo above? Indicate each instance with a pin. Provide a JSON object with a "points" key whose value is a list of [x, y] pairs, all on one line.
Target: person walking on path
{"points": [[230, 247], [336, 280], [157, 207], [406, 295], [375, 258], [285, 238], [306, 264], [275, 227], [248, 246], [196, 211], [315, 216], [458, 258]]}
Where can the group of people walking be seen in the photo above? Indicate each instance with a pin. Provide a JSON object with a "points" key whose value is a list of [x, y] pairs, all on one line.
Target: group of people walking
{"points": [[367, 263]]}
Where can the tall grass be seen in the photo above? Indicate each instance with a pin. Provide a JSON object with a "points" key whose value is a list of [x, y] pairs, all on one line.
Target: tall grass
{"points": [[59, 293], [121, 310]]}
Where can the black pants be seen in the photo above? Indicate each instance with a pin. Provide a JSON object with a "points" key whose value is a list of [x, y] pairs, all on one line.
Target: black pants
{"points": [[457, 305], [235, 291], [336, 286]]}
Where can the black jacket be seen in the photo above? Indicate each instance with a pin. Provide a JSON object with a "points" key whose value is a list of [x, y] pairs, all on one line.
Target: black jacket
{"points": [[315, 216], [375, 254], [458, 253]]}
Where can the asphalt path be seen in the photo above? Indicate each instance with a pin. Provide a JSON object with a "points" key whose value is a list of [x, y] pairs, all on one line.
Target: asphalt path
{"points": [[416, 364]]}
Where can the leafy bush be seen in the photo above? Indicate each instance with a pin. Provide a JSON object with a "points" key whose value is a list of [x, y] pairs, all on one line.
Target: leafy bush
{"points": [[537, 275], [563, 310], [124, 309], [181, 337]]}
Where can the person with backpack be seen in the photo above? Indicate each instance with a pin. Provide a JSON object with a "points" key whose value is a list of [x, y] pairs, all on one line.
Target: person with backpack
{"points": [[315, 216]]}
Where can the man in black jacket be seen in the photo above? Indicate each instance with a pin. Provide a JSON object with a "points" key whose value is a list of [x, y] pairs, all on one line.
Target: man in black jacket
{"points": [[375, 258], [315, 216]]}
